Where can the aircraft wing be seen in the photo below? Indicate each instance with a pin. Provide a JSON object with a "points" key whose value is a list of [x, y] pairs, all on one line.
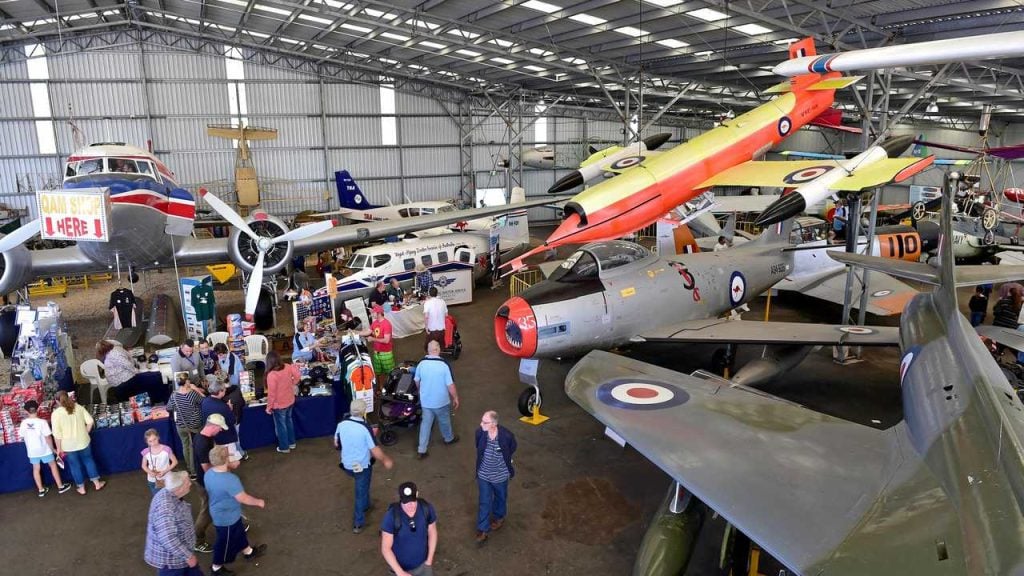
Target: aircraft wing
{"points": [[363, 232], [1012, 152], [887, 296], [727, 204], [822, 495], [1010, 257], [714, 330], [787, 174], [1005, 336]]}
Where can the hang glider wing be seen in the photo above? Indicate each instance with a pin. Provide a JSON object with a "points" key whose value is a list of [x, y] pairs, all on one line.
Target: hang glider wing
{"points": [[789, 174], [822, 495], [721, 330]]}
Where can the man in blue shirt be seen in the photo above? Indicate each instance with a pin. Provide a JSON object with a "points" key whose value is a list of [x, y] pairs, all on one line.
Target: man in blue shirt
{"points": [[434, 378], [215, 403], [839, 218], [226, 496], [358, 449], [408, 534], [495, 446]]}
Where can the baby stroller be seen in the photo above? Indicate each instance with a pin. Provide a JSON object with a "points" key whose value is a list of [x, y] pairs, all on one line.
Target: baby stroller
{"points": [[452, 339], [399, 402]]}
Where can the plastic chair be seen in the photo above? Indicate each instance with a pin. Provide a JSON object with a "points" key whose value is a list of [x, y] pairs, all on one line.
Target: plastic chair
{"points": [[91, 370], [256, 348], [215, 338]]}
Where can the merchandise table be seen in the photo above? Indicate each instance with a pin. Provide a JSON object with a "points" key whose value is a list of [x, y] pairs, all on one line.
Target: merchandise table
{"points": [[119, 449], [407, 322]]}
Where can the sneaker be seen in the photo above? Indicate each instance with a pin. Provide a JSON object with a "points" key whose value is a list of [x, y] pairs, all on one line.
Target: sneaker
{"points": [[453, 440], [284, 451], [224, 571], [481, 537], [291, 446], [44, 492], [245, 457], [203, 547], [193, 477], [257, 551], [64, 488], [357, 530], [421, 455], [247, 525], [497, 524]]}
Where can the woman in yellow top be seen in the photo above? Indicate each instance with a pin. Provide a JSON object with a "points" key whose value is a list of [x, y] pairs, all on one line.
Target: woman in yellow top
{"points": [[71, 425]]}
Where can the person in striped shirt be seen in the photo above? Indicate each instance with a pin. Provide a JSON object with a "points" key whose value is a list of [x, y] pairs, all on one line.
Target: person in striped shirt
{"points": [[495, 446]]}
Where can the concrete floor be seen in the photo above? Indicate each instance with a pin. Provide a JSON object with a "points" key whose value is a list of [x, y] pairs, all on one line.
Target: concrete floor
{"points": [[578, 505]]}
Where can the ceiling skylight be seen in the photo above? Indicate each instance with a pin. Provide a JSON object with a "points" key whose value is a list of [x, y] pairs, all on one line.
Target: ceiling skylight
{"points": [[535, 68], [631, 31], [394, 36], [433, 45], [316, 19], [469, 53], [355, 28], [752, 29], [541, 6], [502, 61], [588, 19], [673, 43], [708, 15]]}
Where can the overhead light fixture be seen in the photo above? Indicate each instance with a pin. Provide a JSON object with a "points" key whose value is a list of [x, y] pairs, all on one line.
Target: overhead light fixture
{"points": [[933, 107]]}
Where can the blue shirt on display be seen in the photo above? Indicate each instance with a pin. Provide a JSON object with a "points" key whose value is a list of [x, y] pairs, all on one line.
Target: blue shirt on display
{"points": [[221, 489], [356, 443], [410, 546], [434, 376]]}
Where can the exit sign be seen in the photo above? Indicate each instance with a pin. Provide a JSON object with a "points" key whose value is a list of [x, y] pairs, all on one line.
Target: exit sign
{"points": [[75, 215]]}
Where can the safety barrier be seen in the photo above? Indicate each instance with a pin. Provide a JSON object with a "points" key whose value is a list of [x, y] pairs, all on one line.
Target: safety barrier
{"points": [[520, 281]]}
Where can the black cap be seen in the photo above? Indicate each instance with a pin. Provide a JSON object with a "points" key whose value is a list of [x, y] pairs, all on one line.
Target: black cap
{"points": [[407, 492]]}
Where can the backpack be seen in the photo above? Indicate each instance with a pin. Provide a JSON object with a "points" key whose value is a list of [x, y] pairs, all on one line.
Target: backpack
{"points": [[395, 507]]}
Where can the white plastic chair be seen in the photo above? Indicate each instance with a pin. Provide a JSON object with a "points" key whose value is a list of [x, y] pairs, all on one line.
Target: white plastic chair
{"points": [[215, 338], [91, 370], [256, 348]]}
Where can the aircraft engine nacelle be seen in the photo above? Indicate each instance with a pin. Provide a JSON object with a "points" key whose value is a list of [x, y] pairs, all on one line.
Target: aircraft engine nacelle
{"points": [[243, 250], [15, 269]]}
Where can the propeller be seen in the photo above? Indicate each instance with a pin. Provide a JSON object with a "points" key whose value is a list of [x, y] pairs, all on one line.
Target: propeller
{"points": [[19, 236], [262, 243]]}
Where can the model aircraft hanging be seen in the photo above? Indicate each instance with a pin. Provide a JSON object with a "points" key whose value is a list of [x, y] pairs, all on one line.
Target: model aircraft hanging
{"points": [[935, 494], [150, 226]]}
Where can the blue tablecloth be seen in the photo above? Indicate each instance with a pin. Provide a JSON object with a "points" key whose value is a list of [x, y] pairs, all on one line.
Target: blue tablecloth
{"points": [[114, 449], [119, 449]]}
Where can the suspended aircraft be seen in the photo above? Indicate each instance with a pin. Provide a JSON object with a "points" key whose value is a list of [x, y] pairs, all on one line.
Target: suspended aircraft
{"points": [[150, 225], [939, 493]]}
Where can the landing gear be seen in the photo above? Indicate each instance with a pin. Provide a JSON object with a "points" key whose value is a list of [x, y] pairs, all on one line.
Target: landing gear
{"points": [[529, 399], [723, 360], [263, 317]]}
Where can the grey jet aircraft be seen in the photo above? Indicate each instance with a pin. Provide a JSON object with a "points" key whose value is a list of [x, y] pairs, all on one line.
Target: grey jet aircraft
{"points": [[942, 492]]}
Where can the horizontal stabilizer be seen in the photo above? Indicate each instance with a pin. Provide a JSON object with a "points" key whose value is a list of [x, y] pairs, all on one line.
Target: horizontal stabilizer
{"points": [[835, 83], [981, 274], [918, 271], [780, 88]]}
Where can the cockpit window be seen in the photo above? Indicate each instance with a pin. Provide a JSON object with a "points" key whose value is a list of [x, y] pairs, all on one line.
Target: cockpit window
{"points": [[611, 255], [84, 167], [357, 262], [448, 208], [123, 165], [577, 268], [425, 211]]}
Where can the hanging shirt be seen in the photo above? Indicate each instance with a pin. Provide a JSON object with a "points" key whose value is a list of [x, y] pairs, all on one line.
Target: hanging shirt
{"points": [[122, 303], [203, 302]]}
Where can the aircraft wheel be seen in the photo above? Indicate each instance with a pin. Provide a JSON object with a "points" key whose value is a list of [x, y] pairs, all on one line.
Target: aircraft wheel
{"points": [[917, 211], [989, 219], [8, 330], [263, 318], [527, 400], [989, 238]]}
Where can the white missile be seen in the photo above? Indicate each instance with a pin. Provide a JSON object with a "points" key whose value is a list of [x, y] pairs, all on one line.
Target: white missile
{"points": [[615, 159], [818, 189], [985, 47]]}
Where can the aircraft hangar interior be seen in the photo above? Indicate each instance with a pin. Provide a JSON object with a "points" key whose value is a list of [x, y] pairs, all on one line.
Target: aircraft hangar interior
{"points": [[688, 287]]}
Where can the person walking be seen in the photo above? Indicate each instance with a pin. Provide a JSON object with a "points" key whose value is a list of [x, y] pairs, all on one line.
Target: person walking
{"points": [[408, 534], [495, 446], [185, 403], [436, 385], [359, 448], [170, 536], [216, 403], [227, 495], [203, 443], [281, 382], [435, 311], [71, 427]]}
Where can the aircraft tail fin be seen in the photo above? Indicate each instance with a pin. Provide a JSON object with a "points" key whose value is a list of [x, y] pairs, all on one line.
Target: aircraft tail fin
{"points": [[514, 227], [349, 194]]}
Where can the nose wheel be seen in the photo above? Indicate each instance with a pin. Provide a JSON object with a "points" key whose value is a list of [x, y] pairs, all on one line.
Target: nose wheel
{"points": [[528, 400]]}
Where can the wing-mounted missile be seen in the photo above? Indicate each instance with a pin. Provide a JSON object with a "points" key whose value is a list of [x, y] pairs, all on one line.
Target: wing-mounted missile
{"points": [[671, 537], [773, 362], [873, 167], [612, 159]]}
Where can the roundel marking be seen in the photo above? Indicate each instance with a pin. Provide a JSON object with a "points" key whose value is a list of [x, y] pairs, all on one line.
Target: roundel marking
{"points": [[737, 288], [856, 330], [358, 198], [635, 394], [805, 174], [627, 162], [785, 125], [881, 293], [907, 360]]}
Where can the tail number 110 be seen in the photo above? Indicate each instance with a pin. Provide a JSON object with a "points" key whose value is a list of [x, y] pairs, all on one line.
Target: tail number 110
{"points": [[901, 246]]}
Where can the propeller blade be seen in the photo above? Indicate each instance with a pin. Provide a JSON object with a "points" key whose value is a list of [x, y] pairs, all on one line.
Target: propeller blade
{"points": [[227, 213], [252, 291], [19, 236], [303, 232]]}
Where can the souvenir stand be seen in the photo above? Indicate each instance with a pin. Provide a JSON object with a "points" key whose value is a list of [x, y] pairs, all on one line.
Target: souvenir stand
{"points": [[38, 369]]}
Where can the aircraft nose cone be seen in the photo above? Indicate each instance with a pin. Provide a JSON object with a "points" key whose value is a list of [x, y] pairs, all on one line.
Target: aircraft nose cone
{"points": [[786, 207], [897, 145], [515, 328]]}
